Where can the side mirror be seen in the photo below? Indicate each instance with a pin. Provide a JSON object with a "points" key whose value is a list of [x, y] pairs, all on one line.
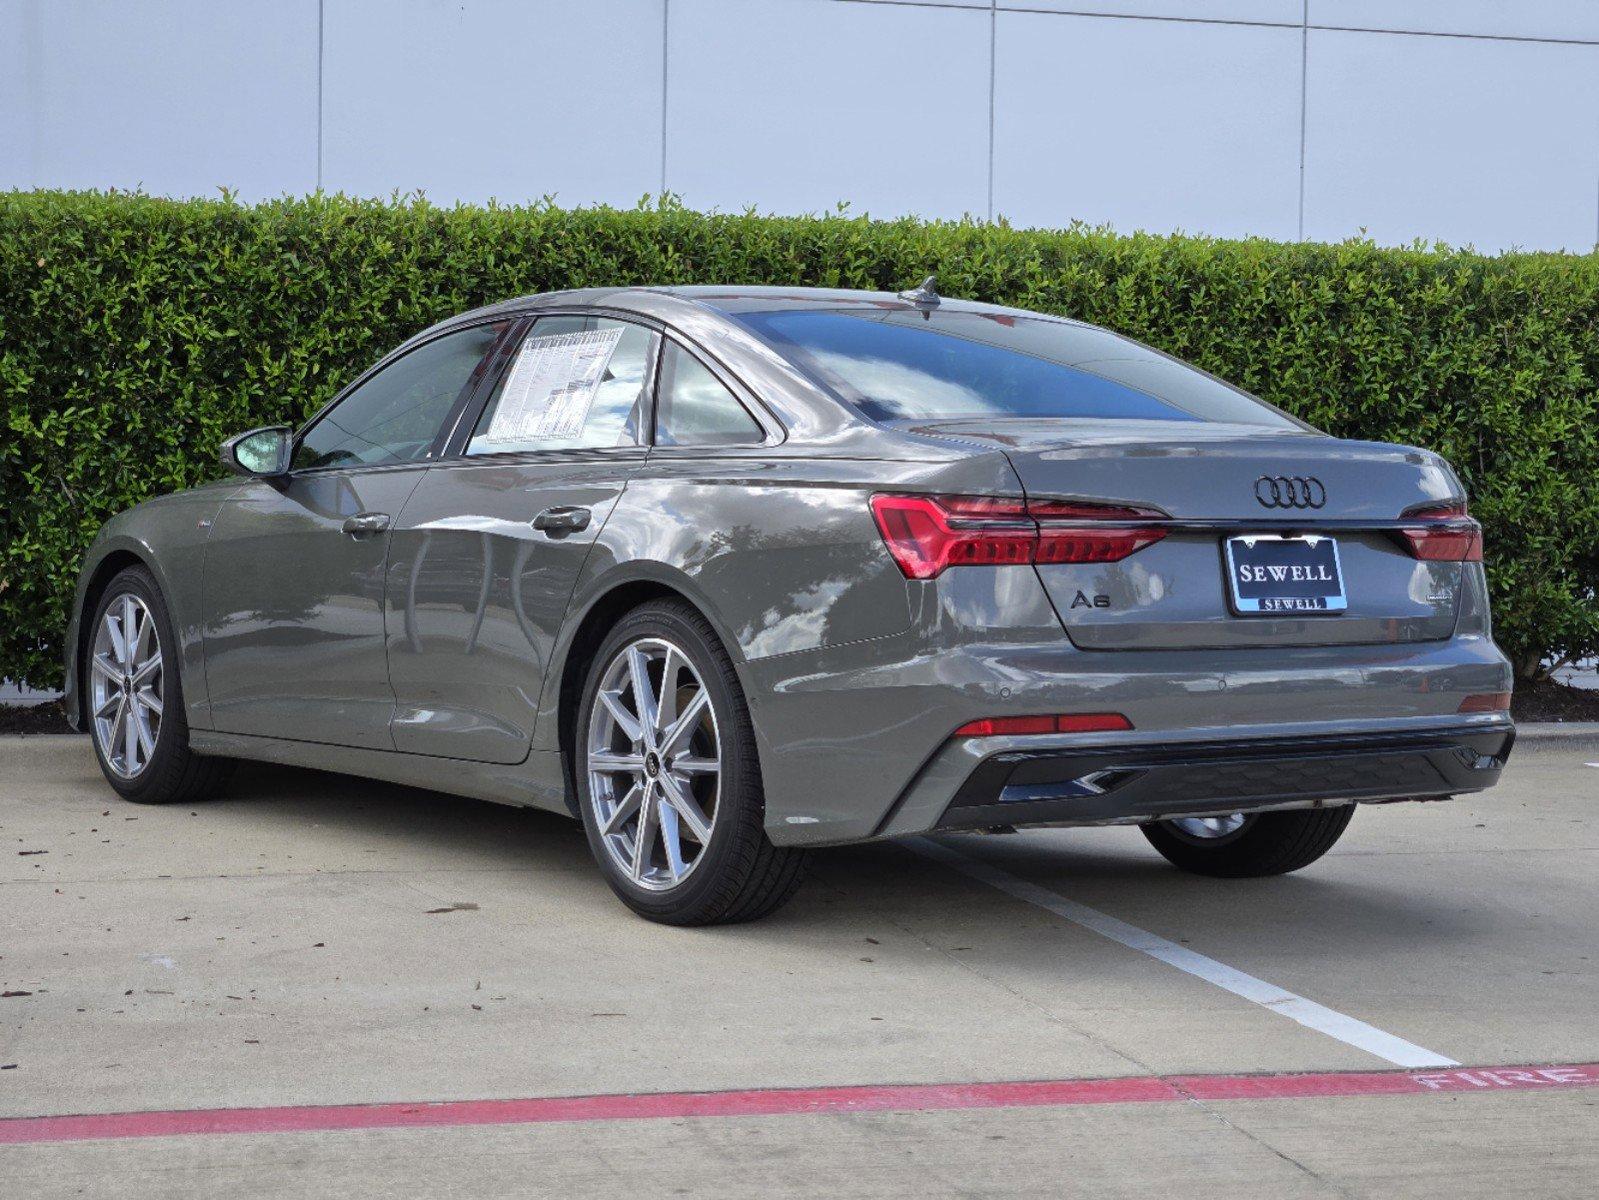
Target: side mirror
{"points": [[260, 453]]}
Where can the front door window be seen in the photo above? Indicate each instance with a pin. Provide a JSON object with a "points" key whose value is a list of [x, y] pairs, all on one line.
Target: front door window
{"points": [[395, 416]]}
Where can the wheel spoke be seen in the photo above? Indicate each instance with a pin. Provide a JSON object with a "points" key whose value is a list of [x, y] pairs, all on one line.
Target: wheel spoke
{"points": [[106, 669], [625, 808], [130, 739], [139, 647], [149, 670], [671, 841], [108, 706], [688, 765], [666, 712], [625, 720], [141, 726], [647, 825], [113, 629], [615, 762], [685, 723], [684, 805], [150, 701], [130, 627], [638, 666]]}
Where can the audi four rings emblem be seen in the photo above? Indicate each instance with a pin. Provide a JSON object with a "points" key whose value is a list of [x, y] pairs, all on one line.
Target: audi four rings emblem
{"points": [[1290, 491]]}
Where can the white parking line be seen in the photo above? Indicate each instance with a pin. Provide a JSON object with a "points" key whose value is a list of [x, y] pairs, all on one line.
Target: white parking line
{"points": [[1268, 995]]}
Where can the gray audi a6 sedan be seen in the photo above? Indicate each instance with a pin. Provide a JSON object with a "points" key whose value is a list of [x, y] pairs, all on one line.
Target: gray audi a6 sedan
{"points": [[732, 572]]}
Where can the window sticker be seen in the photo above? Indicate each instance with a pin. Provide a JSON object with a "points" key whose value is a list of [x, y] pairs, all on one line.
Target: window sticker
{"points": [[551, 387]]}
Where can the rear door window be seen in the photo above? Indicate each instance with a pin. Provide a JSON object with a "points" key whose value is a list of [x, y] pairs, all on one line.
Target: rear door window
{"points": [[575, 383]]}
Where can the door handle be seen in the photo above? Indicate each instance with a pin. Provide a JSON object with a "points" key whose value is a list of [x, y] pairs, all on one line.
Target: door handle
{"points": [[366, 523], [562, 519]]}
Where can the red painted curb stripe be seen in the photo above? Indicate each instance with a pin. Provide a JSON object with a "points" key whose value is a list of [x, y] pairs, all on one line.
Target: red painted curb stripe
{"points": [[792, 1101]]}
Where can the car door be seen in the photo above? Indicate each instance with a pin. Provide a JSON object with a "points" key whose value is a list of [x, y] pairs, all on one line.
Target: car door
{"points": [[294, 567], [488, 549]]}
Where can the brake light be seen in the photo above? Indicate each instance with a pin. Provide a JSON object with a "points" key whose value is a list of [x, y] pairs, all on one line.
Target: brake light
{"points": [[1064, 723], [928, 534], [1443, 533]]}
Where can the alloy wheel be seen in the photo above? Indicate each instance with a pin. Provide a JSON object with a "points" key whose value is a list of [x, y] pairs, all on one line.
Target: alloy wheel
{"points": [[126, 686], [654, 763], [1206, 829]]}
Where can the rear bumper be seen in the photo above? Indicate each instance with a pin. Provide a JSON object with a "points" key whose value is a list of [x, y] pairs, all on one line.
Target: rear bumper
{"points": [[856, 739], [1121, 784]]}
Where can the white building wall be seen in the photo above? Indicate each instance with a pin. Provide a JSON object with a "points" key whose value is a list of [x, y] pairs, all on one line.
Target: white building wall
{"points": [[1467, 120]]}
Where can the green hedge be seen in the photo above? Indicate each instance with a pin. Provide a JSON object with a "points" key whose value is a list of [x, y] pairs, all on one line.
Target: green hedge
{"points": [[135, 333]]}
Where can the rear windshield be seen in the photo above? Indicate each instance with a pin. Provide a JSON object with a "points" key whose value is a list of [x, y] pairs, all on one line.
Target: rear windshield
{"points": [[898, 365]]}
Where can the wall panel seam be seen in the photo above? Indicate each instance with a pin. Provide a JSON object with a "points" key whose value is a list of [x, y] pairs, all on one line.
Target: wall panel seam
{"points": [[666, 50], [321, 28], [993, 84], [1304, 108]]}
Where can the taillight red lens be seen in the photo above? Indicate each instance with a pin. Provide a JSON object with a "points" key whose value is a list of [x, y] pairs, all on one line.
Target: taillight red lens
{"points": [[1443, 533], [1065, 723], [928, 534], [1485, 702], [1093, 545]]}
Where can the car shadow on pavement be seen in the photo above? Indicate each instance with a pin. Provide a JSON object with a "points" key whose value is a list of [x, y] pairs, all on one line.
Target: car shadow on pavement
{"points": [[497, 835], [1337, 912]]}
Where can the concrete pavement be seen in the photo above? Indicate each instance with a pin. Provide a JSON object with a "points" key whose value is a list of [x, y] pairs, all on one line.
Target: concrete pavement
{"points": [[311, 940]]}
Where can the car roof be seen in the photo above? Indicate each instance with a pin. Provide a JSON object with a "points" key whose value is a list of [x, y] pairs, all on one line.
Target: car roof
{"points": [[729, 299], [734, 298]]}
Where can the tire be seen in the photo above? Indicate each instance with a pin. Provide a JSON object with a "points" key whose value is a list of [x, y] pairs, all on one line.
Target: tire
{"points": [[162, 769], [1271, 843], [734, 873]]}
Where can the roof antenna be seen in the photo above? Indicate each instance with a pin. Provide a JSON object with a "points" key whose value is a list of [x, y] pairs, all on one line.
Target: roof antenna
{"points": [[925, 297]]}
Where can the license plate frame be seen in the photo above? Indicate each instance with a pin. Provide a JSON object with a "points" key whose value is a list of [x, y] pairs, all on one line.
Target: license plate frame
{"points": [[1312, 596]]}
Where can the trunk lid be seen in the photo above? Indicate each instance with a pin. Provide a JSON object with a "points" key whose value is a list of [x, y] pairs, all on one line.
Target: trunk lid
{"points": [[1208, 478]]}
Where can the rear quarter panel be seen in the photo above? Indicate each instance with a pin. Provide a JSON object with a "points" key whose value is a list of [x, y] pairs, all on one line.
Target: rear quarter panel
{"points": [[779, 550]]}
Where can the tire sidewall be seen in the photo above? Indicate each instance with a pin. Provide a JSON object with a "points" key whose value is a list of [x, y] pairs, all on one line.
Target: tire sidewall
{"points": [[738, 794], [142, 584], [1275, 843]]}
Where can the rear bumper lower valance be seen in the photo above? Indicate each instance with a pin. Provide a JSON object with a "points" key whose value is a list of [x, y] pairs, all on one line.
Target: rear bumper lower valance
{"points": [[1134, 784]]}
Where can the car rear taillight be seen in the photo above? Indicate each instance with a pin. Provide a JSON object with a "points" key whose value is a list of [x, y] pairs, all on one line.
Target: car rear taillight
{"points": [[928, 534], [1485, 702], [1063, 723], [1443, 533]]}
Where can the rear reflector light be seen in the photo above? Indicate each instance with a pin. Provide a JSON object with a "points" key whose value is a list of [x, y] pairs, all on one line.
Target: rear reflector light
{"points": [[1486, 702], [928, 534], [1443, 533], [1066, 723]]}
